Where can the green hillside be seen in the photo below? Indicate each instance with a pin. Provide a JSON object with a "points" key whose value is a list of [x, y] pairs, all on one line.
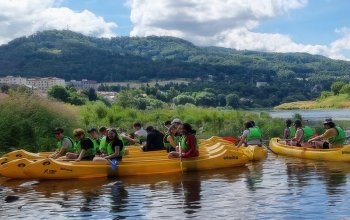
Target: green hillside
{"points": [[69, 55]]}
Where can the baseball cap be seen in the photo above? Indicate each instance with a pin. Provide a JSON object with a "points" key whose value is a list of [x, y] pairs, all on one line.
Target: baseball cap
{"points": [[176, 120]]}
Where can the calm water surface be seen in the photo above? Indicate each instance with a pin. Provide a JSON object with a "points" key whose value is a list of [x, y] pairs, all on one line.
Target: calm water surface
{"points": [[276, 188], [316, 114]]}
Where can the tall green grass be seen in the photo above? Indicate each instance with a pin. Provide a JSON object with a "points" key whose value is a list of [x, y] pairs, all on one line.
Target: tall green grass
{"points": [[28, 122], [207, 121]]}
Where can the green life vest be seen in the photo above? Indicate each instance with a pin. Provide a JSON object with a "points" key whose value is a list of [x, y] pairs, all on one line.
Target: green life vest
{"points": [[183, 144], [96, 144], [141, 139], [103, 145], [292, 132], [307, 133], [166, 142], [111, 150], [340, 138], [125, 141], [254, 134], [89, 152], [59, 144]]}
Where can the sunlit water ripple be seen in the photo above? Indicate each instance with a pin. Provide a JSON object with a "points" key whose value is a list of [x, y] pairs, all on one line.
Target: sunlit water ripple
{"points": [[276, 188]]}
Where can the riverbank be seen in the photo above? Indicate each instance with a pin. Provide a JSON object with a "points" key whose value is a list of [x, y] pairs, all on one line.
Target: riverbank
{"points": [[341, 101]]}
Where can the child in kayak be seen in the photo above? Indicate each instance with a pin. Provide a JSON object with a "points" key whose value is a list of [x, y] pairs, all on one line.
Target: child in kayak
{"points": [[251, 135], [188, 143], [114, 146]]}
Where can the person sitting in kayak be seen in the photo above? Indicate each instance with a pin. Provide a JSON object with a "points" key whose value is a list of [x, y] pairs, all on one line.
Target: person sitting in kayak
{"points": [[84, 148], [251, 135], [302, 135], [94, 138], [289, 130], [114, 145], [188, 144], [170, 139], [103, 132], [139, 136], [166, 127], [333, 137], [64, 144], [154, 140]]}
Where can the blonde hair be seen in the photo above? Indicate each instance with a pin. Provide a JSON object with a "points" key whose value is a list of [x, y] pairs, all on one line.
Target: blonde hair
{"points": [[78, 131]]}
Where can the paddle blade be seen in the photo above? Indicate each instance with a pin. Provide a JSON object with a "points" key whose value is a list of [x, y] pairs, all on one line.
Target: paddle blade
{"points": [[114, 164]]}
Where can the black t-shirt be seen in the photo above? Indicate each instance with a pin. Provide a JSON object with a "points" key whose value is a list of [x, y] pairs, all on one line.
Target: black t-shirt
{"points": [[86, 144], [118, 143], [154, 141]]}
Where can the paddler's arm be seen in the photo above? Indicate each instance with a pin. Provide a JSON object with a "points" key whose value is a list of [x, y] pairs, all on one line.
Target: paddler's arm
{"points": [[81, 155]]}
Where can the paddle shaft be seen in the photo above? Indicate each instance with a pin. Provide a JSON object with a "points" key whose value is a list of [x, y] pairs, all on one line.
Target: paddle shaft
{"points": [[180, 151]]}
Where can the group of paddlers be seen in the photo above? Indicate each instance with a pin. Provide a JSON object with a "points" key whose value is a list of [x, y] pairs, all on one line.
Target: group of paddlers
{"points": [[104, 144], [304, 136], [179, 140]]}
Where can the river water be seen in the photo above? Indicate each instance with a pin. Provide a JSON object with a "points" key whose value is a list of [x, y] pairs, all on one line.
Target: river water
{"points": [[277, 188], [313, 115]]}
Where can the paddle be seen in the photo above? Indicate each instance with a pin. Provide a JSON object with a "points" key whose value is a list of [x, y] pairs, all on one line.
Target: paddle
{"points": [[180, 151], [114, 163]]}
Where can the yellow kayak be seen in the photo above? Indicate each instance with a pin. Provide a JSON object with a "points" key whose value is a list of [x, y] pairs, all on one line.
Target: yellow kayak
{"points": [[220, 157], [18, 154], [335, 154], [14, 168], [133, 149], [255, 152]]}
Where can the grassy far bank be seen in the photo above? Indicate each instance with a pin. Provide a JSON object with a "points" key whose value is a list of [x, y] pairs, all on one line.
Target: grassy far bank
{"points": [[338, 101], [28, 121]]}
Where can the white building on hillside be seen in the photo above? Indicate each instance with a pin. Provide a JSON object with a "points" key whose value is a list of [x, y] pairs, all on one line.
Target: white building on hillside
{"points": [[13, 80], [84, 84], [43, 84]]}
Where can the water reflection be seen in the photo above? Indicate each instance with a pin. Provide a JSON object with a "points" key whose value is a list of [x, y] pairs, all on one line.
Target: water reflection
{"points": [[276, 188], [119, 197], [255, 175], [192, 194], [303, 173]]}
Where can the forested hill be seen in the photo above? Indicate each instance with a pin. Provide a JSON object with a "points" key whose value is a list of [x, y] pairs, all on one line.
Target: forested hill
{"points": [[69, 55]]}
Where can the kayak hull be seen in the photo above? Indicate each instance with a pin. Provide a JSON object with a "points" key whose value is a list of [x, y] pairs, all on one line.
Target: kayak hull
{"points": [[53, 169], [336, 154]]}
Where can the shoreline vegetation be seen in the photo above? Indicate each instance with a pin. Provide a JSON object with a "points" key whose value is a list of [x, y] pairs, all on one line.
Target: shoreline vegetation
{"points": [[27, 121], [340, 101]]}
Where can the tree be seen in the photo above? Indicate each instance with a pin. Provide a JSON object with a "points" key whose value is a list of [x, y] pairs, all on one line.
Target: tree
{"points": [[232, 100], [205, 99], [75, 99], [125, 99], [183, 99], [345, 89], [221, 100], [4, 88], [336, 87], [91, 94], [59, 93], [141, 103]]}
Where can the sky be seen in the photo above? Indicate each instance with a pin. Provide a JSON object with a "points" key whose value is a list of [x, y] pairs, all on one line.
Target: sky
{"points": [[311, 26]]}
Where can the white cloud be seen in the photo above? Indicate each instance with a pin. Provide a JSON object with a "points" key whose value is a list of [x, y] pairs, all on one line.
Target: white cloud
{"points": [[25, 17], [226, 23]]}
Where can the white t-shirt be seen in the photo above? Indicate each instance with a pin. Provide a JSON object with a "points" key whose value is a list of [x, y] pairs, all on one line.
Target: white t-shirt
{"points": [[141, 133], [66, 143]]}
